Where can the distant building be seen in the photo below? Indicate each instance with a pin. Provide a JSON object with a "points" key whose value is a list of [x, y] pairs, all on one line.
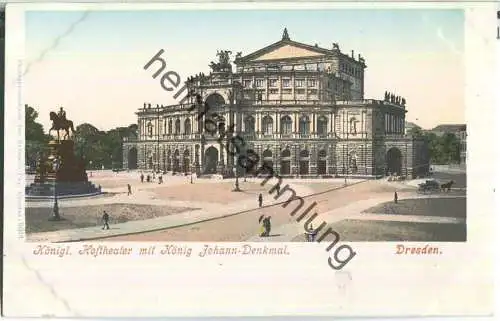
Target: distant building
{"points": [[409, 126], [460, 131], [300, 108]]}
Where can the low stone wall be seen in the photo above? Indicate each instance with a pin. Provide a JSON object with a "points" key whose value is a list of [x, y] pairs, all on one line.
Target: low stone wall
{"points": [[453, 168]]}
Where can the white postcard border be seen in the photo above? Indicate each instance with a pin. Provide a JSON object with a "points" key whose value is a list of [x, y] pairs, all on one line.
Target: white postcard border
{"points": [[376, 282]]}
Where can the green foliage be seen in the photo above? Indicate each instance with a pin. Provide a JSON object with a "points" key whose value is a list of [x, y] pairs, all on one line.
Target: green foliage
{"points": [[416, 132], [34, 130], [101, 148], [36, 139], [96, 147], [443, 149]]}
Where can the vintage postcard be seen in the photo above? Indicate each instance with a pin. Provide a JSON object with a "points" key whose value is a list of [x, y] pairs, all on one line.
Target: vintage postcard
{"points": [[249, 159]]}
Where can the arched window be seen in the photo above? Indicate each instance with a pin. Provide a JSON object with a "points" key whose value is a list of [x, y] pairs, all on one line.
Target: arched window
{"points": [[170, 126], [321, 167], [304, 125], [187, 126], [177, 126], [353, 125], [249, 125], [322, 126], [286, 125], [221, 123], [150, 129], [267, 160], [285, 162], [267, 125], [304, 162]]}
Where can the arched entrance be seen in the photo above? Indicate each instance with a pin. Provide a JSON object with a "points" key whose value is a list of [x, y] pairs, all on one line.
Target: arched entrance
{"points": [[169, 160], [304, 162], [177, 158], [322, 162], [285, 162], [211, 160], [132, 158], [394, 161], [164, 160], [185, 162], [267, 159], [215, 101], [353, 162]]}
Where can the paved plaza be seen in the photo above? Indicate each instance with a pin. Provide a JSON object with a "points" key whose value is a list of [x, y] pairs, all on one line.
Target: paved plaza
{"points": [[208, 210]]}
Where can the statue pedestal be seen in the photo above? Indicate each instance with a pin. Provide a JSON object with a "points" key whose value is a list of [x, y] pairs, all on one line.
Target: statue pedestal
{"points": [[69, 179]]}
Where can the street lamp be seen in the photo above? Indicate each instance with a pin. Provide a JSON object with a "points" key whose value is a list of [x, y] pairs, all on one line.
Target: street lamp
{"points": [[236, 183], [55, 211], [192, 168]]}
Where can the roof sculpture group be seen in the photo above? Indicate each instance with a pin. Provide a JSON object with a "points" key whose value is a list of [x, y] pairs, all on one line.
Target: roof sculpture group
{"points": [[398, 100]]}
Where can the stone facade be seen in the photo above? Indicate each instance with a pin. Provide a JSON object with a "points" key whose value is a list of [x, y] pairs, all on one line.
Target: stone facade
{"points": [[300, 108]]}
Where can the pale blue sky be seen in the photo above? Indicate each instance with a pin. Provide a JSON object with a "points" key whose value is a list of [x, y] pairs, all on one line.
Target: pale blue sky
{"points": [[416, 53]]}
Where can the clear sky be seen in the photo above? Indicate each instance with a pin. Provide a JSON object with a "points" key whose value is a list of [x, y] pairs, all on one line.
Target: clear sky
{"points": [[95, 70]]}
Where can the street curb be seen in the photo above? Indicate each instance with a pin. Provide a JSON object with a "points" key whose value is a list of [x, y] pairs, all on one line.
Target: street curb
{"points": [[205, 220]]}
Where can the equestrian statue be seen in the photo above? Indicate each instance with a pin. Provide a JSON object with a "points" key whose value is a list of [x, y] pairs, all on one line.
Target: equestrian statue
{"points": [[59, 122]]}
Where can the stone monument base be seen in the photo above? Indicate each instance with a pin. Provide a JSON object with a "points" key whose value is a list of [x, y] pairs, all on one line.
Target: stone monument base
{"points": [[64, 190]]}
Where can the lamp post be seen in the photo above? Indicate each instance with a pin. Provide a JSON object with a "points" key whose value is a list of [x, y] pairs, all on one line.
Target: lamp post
{"points": [[203, 141], [192, 168], [55, 210], [236, 183]]}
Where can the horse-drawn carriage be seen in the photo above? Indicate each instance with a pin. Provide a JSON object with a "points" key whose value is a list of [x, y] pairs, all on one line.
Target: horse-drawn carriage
{"points": [[433, 185]]}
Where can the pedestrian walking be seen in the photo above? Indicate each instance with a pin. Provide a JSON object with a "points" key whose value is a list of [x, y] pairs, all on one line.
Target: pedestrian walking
{"points": [[267, 226], [396, 197], [260, 200], [105, 219], [142, 178], [311, 233], [129, 189]]}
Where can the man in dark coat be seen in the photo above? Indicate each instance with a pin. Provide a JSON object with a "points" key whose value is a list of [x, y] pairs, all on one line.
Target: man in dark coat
{"points": [[105, 219], [267, 226], [260, 200]]}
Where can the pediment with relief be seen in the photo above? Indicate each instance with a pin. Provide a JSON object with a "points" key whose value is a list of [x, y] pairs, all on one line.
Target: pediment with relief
{"points": [[287, 51]]}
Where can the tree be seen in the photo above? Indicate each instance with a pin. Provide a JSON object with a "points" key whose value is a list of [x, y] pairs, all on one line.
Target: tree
{"points": [[100, 147], [34, 130], [443, 149], [451, 148], [36, 139], [416, 132]]}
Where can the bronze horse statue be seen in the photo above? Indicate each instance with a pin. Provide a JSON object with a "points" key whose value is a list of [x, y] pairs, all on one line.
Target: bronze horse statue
{"points": [[61, 124]]}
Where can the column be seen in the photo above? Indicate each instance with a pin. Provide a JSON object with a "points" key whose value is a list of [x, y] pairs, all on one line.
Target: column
{"points": [[276, 129], [258, 123], [313, 129], [295, 124], [331, 123]]}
